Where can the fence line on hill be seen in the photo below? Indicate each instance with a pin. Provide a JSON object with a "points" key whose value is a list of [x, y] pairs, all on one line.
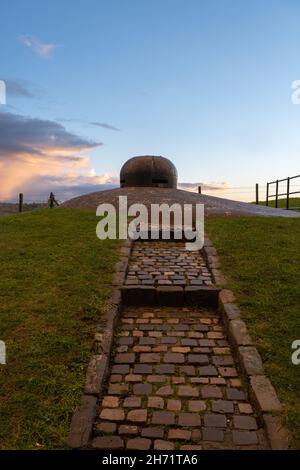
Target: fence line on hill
{"points": [[237, 193], [279, 194]]}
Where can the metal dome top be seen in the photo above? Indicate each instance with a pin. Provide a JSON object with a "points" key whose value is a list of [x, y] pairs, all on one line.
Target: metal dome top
{"points": [[148, 171]]}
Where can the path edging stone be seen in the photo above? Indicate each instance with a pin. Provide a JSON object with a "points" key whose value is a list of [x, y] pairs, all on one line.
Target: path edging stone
{"points": [[277, 433], [261, 390], [83, 417]]}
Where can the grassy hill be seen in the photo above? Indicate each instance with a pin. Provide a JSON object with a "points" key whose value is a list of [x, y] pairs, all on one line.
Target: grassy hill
{"points": [[261, 260], [54, 285]]}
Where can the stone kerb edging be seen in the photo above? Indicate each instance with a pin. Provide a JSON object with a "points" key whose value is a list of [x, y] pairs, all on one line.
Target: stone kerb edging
{"points": [[98, 367], [260, 388]]}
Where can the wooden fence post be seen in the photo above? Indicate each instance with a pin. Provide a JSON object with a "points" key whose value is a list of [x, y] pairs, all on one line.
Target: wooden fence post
{"points": [[267, 195], [256, 194], [20, 202], [199, 189], [276, 200], [288, 193]]}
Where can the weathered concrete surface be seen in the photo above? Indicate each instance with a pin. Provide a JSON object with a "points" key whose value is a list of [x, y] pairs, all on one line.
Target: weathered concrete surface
{"points": [[213, 205]]}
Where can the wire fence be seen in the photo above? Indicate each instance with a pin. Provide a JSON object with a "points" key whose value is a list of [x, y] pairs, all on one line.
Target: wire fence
{"points": [[10, 206], [257, 193]]}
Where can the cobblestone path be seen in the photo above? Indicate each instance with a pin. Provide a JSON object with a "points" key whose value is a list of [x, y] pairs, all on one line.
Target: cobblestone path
{"points": [[161, 263], [174, 385]]}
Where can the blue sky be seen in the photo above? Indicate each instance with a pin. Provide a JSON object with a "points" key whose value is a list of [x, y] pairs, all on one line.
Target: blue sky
{"points": [[205, 83]]}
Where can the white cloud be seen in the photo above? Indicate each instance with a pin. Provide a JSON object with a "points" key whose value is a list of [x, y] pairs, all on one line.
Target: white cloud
{"points": [[42, 49]]}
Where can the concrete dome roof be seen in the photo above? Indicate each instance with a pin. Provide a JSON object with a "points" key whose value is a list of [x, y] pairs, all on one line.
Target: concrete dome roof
{"points": [[148, 171], [212, 205]]}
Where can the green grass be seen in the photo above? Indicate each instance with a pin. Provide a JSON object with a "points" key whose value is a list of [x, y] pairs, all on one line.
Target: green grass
{"points": [[261, 260], [293, 202], [54, 286]]}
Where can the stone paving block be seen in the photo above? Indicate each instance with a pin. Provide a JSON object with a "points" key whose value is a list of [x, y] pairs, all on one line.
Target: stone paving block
{"points": [[178, 380], [187, 391], [116, 378], [222, 406], [235, 394], [181, 349], [153, 432], [156, 378], [227, 372], [138, 443], [165, 369], [137, 416], [106, 428], [112, 414], [155, 402], [142, 389], [123, 340], [217, 381], [213, 434], [146, 341], [214, 420], [110, 402], [244, 437], [174, 405], [164, 391], [118, 389], [198, 359], [132, 402], [163, 445], [211, 391], [179, 434], [120, 369], [168, 340], [207, 371], [142, 369], [126, 358], [133, 378], [244, 422], [245, 408], [188, 342], [189, 419], [173, 358], [196, 405], [108, 442], [223, 360], [149, 358], [196, 435], [127, 429], [164, 418]]}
